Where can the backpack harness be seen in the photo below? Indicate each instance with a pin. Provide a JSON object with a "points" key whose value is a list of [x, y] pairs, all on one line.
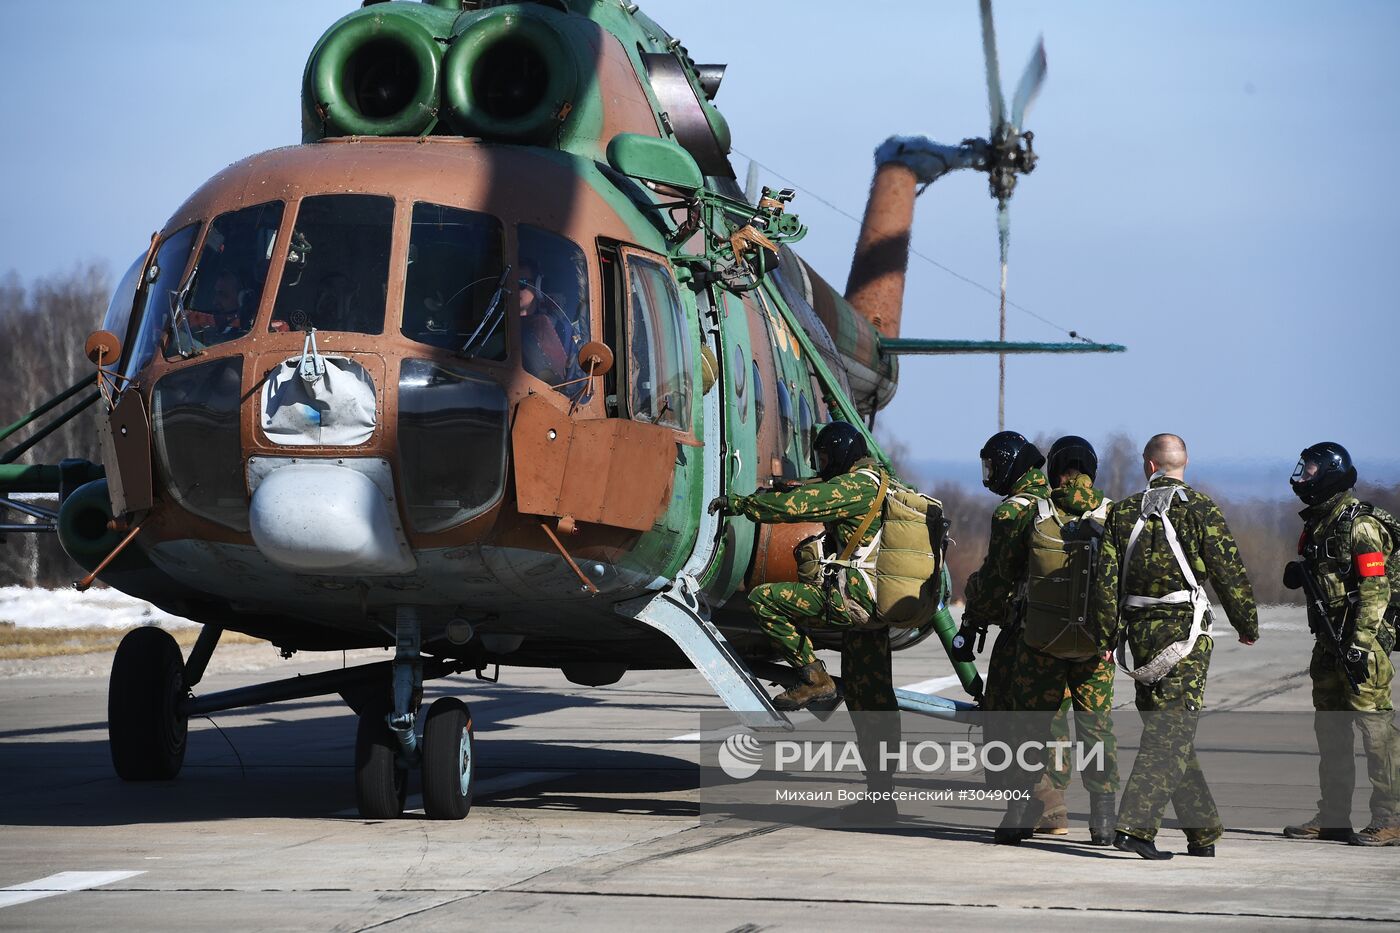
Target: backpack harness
{"points": [[1155, 503]]}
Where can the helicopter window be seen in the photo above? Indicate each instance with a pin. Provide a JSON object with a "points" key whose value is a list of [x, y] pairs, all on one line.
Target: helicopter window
{"points": [[163, 276], [658, 346], [337, 267], [443, 413], [118, 316], [786, 429], [226, 286], [455, 258], [194, 417], [741, 374], [760, 405], [805, 421], [551, 284]]}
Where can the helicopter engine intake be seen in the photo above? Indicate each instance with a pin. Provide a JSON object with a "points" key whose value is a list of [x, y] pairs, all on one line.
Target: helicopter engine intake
{"points": [[374, 75]]}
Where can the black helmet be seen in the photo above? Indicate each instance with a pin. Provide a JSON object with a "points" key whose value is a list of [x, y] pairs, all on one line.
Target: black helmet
{"points": [[1005, 459], [1072, 452], [842, 444], [1323, 470]]}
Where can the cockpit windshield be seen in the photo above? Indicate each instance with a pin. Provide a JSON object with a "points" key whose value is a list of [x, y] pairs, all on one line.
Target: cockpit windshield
{"points": [[454, 269], [231, 271], [337, 267]]}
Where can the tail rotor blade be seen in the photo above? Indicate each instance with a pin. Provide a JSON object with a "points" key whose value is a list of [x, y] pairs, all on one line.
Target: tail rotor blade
{"points": [[995, 102], [1029, 88]]}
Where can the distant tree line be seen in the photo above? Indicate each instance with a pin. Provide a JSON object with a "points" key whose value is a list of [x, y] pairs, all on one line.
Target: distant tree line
{"points": [[43, 326]]}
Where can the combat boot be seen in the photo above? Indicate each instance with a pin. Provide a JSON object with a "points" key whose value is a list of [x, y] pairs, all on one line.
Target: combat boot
{"points": [[1205, 851], [1313, 829], [814, 686], [1009, 832], [1379, 833], [1143, 847], [1102, 810], [1055, 820]]}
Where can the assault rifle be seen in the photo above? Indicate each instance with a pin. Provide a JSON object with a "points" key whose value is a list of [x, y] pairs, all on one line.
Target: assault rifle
{"points": [[1353, 660]]}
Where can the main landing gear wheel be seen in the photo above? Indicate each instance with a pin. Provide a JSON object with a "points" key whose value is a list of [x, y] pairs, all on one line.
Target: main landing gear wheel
{"points": [[449, 771], [381, 782], [145, 730]]}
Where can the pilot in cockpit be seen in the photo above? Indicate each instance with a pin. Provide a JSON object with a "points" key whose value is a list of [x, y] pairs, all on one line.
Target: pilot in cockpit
{"points": [[226, 317]]}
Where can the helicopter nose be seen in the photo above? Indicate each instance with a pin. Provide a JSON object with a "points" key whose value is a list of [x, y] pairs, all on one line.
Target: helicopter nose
{"points": [[326, 518]]}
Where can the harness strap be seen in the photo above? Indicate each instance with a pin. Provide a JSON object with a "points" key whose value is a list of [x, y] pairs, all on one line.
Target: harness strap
{"points": [[854, 541], [1155, 503]]}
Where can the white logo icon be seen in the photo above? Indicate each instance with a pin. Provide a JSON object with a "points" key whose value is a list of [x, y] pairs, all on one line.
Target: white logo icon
{"points": [[741, 756]]}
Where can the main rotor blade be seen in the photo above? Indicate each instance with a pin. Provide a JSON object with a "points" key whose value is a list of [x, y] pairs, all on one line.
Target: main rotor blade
{"points": [[1029, 88], [996, 104]]}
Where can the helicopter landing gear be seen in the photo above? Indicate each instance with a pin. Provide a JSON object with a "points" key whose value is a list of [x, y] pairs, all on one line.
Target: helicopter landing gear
{"points": [[449, 771], [146, 722], [381, 776]]}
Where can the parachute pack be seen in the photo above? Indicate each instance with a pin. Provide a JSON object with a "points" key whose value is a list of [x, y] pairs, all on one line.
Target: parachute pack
{"points": [[905, 560], [1060, 571]]}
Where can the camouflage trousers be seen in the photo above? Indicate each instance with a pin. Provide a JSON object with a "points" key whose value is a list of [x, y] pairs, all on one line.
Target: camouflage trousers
{"points": [[1166, 769], [868, 683], [1373, 716], [1039, 684], [997, 697], [783, 610]]}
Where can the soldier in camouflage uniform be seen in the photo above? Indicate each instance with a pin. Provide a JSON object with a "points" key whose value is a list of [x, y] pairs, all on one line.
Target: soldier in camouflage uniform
{"points": [[1011, 469], [1345, 549], [1042, 683], [846, 501], [1143, 595]]}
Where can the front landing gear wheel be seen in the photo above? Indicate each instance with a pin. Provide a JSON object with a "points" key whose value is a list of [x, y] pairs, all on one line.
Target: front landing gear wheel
{"points": [[449, 771], [381, 782], [145, 730]]}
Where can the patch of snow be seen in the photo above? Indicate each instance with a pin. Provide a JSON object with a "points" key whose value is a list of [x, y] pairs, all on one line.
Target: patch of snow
{"points": [[29, 607]]}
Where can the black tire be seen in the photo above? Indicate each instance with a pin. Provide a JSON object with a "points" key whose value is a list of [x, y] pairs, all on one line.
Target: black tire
{"points": [[449, 771], [145, 730], [381, 784]]}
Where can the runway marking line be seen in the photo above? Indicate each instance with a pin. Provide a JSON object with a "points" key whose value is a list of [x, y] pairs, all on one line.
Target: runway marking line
{"points": [[65, 882]]}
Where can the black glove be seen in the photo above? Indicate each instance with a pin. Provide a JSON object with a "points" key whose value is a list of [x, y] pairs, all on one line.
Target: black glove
{"points": [[1293, 575], [963, 647], [720, 505]]}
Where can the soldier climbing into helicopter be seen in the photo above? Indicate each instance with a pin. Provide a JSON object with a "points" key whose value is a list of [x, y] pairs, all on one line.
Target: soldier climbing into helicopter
{"points": [[841, 596]]}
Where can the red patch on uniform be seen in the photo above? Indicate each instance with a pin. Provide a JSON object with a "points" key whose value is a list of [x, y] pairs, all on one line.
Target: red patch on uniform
{"points": [[1302, 540], [1370, 565]]}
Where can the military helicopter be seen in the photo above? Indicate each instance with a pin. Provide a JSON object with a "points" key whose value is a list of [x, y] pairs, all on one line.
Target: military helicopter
{"points": [[458, 374]]}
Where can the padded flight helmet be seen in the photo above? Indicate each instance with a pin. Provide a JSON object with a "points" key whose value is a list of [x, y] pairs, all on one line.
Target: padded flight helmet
{"points": [[1072, 452], [838, 446], [1005, 459], [1323, 470]]}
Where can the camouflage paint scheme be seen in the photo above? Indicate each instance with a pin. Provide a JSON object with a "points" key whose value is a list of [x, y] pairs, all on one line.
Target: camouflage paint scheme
{"points": [[1166, 770], [499, 567], [1374, 718]]}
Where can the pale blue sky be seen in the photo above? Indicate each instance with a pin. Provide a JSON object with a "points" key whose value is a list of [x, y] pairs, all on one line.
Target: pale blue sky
{"points": [[1215, 187]]}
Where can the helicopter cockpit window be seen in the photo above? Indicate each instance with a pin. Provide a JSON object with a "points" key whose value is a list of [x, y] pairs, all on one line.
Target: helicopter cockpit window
{"points": [[658, 346], [163, 279], [454, 270], [226, 286], [337, 265], [551, 292], [118, 315]]}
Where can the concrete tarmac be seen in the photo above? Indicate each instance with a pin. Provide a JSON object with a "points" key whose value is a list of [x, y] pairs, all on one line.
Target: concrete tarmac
{"points": [[585, 817]]}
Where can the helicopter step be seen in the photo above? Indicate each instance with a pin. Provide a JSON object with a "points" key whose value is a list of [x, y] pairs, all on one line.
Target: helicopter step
{"points": [[679, 612]]}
